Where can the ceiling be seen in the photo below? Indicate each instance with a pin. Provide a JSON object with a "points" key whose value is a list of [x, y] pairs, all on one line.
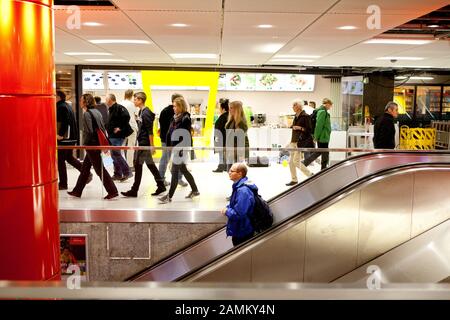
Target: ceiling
{"points": [[303, 33]]}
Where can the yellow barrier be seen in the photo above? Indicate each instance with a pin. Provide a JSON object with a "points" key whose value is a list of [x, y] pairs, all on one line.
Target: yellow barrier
{"points": [[417, 138]]}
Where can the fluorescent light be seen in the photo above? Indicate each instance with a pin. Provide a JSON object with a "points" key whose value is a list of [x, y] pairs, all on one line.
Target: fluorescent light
{"points": [[92, 24], [265, 26], [179, 25], [291, 60], [397, 41], [88, 53], [413, 78], [193, 55], [295, 56], [401, 58], [347, 28], [270, 47], [105, 60], [433, 26], [110, 41]]}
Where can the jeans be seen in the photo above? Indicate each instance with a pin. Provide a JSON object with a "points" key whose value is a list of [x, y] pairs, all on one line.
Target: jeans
{"points": [[164, 162], [314, 155], [121, 168], [176, 170], [142, 156]]}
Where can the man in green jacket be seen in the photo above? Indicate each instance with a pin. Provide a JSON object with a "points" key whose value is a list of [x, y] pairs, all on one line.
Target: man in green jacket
{"points": [[322, 134]]}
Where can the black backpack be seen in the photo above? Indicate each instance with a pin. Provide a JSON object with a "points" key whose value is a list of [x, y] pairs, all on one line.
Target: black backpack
{"points": [[262, 216], [313, 121]]}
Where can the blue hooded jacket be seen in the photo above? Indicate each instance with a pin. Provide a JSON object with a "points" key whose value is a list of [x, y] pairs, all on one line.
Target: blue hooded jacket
{"points": [[241, 205]]}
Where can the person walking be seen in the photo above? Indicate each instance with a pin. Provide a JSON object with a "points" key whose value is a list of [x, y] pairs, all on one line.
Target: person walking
{"points": [[67, 135], [220, 134], [236, 135], [132, 111], [384, 128], [241, 205], [322, 133], [118, 129], [92, 119], [165, 118], [145, 138], [179, 134], [301, 133]]}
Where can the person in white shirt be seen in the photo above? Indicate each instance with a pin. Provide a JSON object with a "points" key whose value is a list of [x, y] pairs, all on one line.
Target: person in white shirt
{"points": [[132, 110]]}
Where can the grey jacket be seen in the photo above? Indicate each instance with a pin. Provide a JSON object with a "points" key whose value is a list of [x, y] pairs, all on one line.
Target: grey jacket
{"points": [[89, 136]]}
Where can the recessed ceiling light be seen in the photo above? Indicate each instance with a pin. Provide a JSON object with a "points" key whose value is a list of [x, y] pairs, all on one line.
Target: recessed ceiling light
{"points": [[122, 41], [413, 78], [92, 24], [88, 53], [347, 28], [433, 26], [398, 41], [270, 47], [179, 25], [193, 55], [296, 56], [265, 26], [401, 58], [291, 60], [105, 60]]}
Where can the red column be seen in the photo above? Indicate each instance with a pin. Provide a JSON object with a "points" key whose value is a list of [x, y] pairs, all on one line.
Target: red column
{"points": [[29, 229]]}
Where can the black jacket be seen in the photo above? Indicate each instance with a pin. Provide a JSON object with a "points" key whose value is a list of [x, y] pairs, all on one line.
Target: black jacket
{"points": [[67, 125], [220, 125], [103, 109], [165, 118], [118, 118], [303, 120], [145, 126], [384, 132]]}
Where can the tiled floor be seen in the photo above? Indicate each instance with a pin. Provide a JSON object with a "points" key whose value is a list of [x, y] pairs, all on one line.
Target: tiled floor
{"points": [[213, 187]]}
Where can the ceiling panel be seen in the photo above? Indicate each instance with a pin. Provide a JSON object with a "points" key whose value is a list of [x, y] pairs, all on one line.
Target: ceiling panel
{"points": [[296, 6], [177, 5]]}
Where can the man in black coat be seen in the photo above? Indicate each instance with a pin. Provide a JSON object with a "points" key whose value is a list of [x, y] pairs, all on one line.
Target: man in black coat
{"points": [[219, 141], [384, 129], [118, 128], [67, 135]]}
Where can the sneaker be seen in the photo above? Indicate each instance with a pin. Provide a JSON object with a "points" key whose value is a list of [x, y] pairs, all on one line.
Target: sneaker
{"points": [[158, 191], [192, 194], [292, 183], [130, 193], [125, 178], [166, 183], [116, 177], [89, 178], [183, 183], [74, 194], [165, 199], [305, 170], [111, 196]]}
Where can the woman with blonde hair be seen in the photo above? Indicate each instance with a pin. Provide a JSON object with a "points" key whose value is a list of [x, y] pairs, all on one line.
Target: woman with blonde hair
{"points": [[235, 128], [180, 135]]}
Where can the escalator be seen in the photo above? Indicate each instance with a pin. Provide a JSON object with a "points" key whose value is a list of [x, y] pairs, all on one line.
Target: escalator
{"points": [[331, 187]]}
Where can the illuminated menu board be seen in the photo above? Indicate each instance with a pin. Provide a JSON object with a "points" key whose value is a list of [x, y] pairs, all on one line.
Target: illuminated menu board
{"points": [[266, 82], [93, 80], [124, 80]]}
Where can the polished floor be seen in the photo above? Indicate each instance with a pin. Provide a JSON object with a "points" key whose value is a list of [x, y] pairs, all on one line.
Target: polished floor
{"points": [[213, 187]]}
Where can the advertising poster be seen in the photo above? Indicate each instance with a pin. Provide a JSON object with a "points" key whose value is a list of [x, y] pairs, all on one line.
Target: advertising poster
{"points": [[73, 249], [299, 82], [268, 82], [93, 80], [124, 80], [240, 81]]}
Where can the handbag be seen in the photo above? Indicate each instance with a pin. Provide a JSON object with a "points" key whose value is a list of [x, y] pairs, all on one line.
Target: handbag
{"points": [[305, 141], [101, 135]]}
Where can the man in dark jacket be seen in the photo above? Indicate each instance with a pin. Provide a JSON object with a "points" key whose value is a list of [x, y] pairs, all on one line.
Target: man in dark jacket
{"points": [[241, 205], [384, 129], [67, 135], [165, 118], [102, 108], [220, 134], [118, 128], [144, 138]]}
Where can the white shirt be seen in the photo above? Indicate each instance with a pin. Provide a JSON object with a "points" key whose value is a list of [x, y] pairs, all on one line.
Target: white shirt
{"points": [[309, 110], [132, 110]]}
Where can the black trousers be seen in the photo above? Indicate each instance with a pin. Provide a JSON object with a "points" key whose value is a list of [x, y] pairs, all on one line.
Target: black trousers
{"points": [[141, 157], [237, 241], [311, 156], [63, 156], [176, 169], [94, 159]]}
